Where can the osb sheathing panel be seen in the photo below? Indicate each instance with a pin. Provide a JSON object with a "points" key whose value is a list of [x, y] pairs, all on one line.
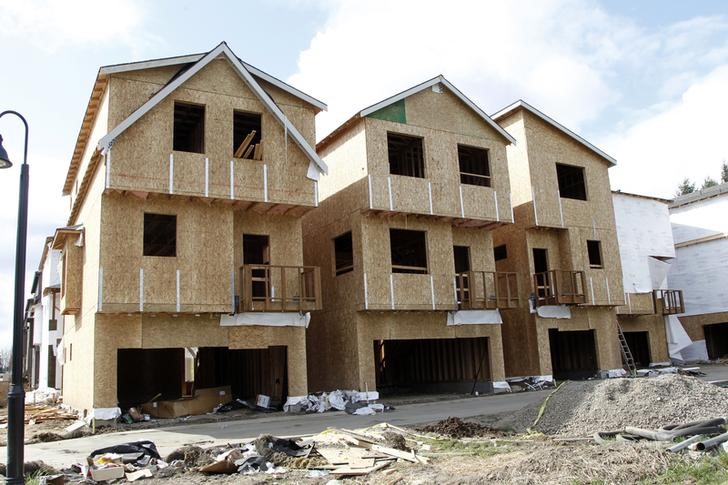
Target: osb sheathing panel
{"points": [[332, 349], [294, 338], [411, 291], [480, 242], [655, 326], [637, 304], [346, 158], [99, 128], [417, 325], [73, 269], [517, 154], [694, 324], [141, 155], [443, 122], [204, 256], [78, 381]]}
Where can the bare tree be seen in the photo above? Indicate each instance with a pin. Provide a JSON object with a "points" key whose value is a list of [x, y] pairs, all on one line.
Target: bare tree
{"points": [[5, 357]]}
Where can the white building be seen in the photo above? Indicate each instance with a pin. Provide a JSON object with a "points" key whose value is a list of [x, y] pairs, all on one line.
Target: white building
{"points": [[44, 328], [700, 228], [647, 250]]}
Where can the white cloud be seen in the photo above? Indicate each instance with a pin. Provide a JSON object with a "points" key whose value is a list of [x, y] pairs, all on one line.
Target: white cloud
{"points": [[557, 54], [686, 138], [51, 24]]}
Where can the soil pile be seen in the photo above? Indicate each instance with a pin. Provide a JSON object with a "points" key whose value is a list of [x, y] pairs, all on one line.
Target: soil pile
{"points": [[457, 428], [582, 408]]}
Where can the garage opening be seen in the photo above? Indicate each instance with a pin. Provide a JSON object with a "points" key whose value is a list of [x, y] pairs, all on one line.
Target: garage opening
{"points": [[459, 365], [144, 373], [573, 354], [248, 372], [639, 345], [174, 373], [716, 340]]}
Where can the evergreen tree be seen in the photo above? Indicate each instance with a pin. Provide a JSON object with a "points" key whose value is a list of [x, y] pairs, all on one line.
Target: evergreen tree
{"points": [[685, 187], [708, 182], [724, 172]]}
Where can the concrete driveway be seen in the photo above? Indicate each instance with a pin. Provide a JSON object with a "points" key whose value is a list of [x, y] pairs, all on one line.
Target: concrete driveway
{"points": [[64, 453]]}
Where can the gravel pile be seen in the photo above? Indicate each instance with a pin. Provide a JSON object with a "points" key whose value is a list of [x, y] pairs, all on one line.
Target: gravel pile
{"points": [[582, 408]]}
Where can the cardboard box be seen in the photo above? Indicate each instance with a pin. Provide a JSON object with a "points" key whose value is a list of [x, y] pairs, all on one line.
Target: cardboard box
{"points": [[107, 473], [204, 401]]}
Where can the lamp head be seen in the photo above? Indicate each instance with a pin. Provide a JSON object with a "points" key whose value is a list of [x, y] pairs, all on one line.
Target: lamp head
{"points": [[4, 159]]}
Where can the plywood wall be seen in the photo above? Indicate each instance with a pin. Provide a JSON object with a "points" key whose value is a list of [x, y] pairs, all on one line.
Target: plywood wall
{"points": [[141, 154]]}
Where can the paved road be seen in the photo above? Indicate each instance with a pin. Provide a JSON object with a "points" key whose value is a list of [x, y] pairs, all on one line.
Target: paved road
{"points": [[63, 453]]}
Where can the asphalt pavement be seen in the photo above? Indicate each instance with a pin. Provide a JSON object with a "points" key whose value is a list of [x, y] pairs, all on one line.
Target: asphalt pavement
{"points": [[66, 452]]}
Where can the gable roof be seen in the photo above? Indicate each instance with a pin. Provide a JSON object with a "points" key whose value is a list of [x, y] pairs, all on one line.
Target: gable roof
{"points": [[409, 92], [521, 104], [102, 79]]}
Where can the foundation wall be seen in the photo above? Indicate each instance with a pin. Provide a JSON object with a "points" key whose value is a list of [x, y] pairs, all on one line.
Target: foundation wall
{"points": [[141, 155]]}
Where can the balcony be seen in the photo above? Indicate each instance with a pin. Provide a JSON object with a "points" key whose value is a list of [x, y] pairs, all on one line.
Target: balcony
{"points": [[559, 287], [270, 288], [637, 304], [486, 290], [671, 301]]}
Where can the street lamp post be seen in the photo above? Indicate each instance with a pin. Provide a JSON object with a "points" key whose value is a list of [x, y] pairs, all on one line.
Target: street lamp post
{"points": [[16, 394]]}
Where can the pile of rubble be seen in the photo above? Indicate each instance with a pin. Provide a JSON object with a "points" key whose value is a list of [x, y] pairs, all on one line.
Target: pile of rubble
{"points": [[334, 453], [353, 402]]}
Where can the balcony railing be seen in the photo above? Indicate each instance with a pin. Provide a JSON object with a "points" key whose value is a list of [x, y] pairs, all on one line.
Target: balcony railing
{"points": [[477, 290], [671, 301], [270, 288], [559, 287]]}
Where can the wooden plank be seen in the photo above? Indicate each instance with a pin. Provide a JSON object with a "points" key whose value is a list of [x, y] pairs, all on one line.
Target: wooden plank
{"points": [[248, 151], [256, 152], [244, 145]]}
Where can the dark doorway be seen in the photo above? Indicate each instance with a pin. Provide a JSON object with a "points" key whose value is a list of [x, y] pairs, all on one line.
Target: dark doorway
{"points": [[462, 265], [639, 345], [143, 373], [432, 365], [51, 368], [540, 267], [573, 354], [248, 372], [256, 250], [716, 340]]}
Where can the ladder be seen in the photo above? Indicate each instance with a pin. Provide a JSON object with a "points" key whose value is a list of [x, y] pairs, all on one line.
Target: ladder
{"points": [[626, 353]]}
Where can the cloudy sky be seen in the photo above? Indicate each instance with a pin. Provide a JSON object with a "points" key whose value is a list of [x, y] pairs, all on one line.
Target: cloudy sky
{"points": [[645, 81]]}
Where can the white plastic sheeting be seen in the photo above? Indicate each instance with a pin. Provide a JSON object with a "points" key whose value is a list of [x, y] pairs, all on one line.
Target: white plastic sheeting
{"points": [[679, 343], [281, 319], [333, 400], [501, 387], [103, 414], [474, 317], [553, 311]]}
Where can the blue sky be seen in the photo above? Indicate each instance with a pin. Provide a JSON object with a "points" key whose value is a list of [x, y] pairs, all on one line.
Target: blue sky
{"points": [[645, 81]]}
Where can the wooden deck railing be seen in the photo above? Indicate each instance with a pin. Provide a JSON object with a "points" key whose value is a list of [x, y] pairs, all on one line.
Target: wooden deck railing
{"points": [[476, 290], [559, 287], [271, 288], [672, 301]]}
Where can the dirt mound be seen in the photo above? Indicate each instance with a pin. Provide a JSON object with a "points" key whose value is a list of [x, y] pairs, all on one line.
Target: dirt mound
{"points": [[582, 408], [456, 428]]}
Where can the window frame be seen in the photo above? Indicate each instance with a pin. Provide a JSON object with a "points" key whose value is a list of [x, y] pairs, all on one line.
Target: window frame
{"points": [[407, 269], [145, 242], [181, 103], [412, 138], [594, 243], [463, 149], [559, 177], [338, 271]]}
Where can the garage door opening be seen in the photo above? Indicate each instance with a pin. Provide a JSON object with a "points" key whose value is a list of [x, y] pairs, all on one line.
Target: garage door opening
{"points": [[639, 345], [142, 374], [248, 372], [573, 354], [459, 365], [716, 340]]}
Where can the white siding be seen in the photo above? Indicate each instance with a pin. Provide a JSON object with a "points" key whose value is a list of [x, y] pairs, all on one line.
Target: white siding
{"points": [[643, 232], [701, 271]]}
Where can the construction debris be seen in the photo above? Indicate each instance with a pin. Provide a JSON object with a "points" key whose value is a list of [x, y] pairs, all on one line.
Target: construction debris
{"points": [[353, 402], [37, 413], [456, 428]]}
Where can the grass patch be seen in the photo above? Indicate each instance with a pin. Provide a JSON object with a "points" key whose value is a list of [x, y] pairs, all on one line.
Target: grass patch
{"points": [[710, 470], [481, 449]]}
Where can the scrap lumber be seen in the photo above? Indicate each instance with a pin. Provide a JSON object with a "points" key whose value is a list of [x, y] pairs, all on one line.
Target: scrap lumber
{"points": [[256, 151], [248, 152], [351, 471], [244, 145]]}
